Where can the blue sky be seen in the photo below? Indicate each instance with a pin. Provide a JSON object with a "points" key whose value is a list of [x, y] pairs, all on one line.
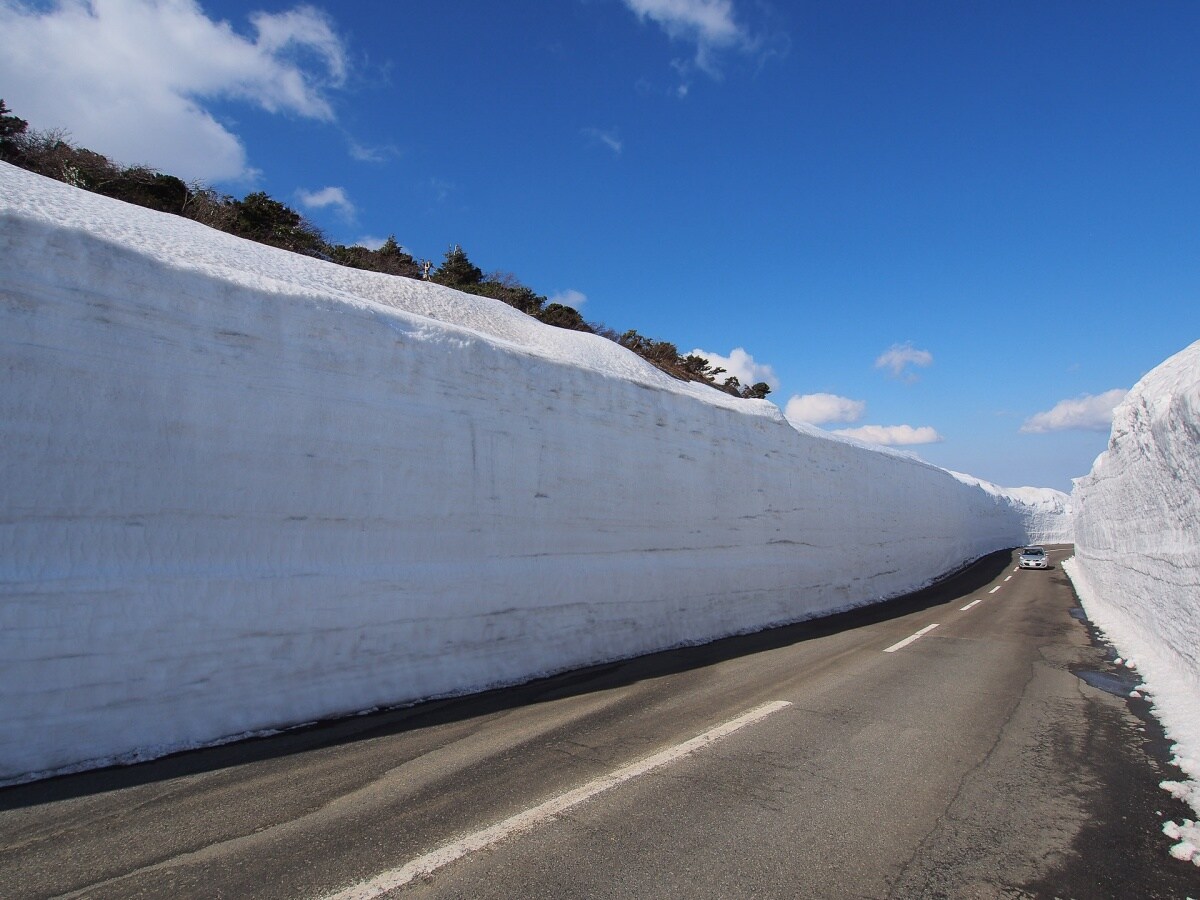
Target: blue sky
{"points": [[963, 227]]}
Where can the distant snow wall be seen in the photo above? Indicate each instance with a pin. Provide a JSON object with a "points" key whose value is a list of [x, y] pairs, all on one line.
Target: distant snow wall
{"points": [[243, 489], [1137, 543]]}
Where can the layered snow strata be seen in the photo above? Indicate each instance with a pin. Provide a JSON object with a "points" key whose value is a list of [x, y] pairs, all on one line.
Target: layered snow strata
{"points": [[243, 488], [1137, 550]]}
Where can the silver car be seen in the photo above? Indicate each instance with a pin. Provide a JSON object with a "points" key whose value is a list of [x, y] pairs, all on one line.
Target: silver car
{"points": [[1033, 558]]}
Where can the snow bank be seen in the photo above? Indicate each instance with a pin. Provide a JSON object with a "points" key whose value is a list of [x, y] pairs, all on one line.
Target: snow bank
{"points": [[243, 488], [1045, 514], [1137, 551]]}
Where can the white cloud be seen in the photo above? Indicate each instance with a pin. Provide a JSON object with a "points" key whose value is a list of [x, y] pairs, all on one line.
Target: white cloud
{"points": [[440, 188], [900, 356], [741, 364], [327, 197], [709, 21], [609, 138], [128, 78], [369, 154], [818, 409], [1086, 413], [710, 25], [299, 29], [573, 299], [893, 435]]}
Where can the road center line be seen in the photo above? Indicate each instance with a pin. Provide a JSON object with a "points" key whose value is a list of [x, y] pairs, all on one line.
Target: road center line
{"points": [[993, 590], [969, 605], [908, 640], [524, 821], [1009, 578]]}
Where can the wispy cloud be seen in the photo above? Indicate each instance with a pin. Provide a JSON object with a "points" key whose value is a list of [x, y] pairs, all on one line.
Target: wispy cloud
{"points": [[900, 357], [708, 24], [742, 365], [325, 198], [819, 409], [440, 188], [130, 77], [606, 136], [302, 28], [712, 27], [365, 153], [1087, 413], [893, 435]]}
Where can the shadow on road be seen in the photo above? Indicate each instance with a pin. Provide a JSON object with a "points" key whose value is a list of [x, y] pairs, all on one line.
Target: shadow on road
{"points": [[439, 712]]}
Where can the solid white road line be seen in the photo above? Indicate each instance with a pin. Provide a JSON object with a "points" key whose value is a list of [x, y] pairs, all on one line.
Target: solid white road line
{"points": [[969, 605], [524, 821], [993, 590], [908, 640]]}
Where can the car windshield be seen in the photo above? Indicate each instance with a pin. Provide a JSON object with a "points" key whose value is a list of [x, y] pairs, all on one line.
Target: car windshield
{"points": [[1034, 551]]}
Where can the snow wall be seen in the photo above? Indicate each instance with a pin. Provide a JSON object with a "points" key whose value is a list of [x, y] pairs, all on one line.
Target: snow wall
{"points": [[1137, 549], [244, 488]]}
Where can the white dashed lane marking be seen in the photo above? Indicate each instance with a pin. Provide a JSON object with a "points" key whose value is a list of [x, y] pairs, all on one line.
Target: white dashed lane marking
{"points": [[426, 865], [908, 640]]}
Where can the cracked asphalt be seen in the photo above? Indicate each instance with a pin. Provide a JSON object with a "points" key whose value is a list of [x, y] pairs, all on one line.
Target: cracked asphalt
{"points": [[972, 763]]}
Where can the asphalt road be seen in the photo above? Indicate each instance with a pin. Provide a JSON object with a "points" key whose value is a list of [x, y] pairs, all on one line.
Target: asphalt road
{"points": [[971, 762]]}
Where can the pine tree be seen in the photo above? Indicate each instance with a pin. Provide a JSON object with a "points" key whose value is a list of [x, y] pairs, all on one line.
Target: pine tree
{"points": [[390, 248], [10, 128], [757, 391], [264, 219], [563, 317], [394, 260], [457, 271]]}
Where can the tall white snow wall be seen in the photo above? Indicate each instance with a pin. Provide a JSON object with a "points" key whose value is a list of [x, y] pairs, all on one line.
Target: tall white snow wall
{"points": [[243, 488], [1137, 543]]}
